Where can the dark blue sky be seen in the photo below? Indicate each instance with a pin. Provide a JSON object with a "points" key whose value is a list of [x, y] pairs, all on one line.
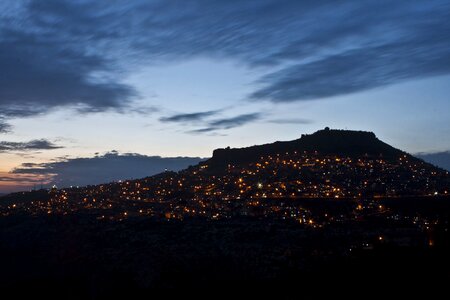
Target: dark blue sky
{"points": [[175, 78]]}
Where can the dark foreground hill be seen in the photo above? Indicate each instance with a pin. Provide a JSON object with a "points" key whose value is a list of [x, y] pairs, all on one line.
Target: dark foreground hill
{"points": [[77, 256]]}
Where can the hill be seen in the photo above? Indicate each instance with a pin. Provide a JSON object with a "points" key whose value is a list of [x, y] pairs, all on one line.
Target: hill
{"points": [[328, 164], [326, 142], [268, 216]]}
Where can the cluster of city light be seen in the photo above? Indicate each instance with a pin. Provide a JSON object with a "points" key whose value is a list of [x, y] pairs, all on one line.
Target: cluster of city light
{"points": [[267, 188]]}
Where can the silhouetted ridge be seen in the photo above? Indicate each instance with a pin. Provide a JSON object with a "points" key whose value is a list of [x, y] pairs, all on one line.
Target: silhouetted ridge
{"points": [[328, 141]]}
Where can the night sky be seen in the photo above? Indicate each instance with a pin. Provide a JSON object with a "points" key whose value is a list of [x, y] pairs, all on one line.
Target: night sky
{"points": [[91, 87]]}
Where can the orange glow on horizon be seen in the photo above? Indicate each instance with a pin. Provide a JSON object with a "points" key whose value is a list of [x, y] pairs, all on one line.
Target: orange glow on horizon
{"points": [[11, 182]]}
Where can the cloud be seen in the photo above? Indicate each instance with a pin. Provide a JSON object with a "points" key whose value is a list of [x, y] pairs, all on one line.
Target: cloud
{"points": [[203, 130], [39, 73], [4, 127], [440, 159], [109, 167], [143, 110], [32, 145], [189, 117], [228, 123], [235, 121], [75, 53], [357, 70], [211, 126], [21, 182], [290, 121], [23, 179]]}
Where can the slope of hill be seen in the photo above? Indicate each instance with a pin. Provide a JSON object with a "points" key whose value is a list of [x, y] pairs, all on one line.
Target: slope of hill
{"points": [[327, 164]]}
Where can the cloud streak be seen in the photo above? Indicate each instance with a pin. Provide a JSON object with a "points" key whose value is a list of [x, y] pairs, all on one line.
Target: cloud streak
{"points": [[357, 70], [21, 182], [189, 117], [4, 127], [30, 179], [37, 73], [32, 145], [228, 123], [240, 120], [75, 54]]}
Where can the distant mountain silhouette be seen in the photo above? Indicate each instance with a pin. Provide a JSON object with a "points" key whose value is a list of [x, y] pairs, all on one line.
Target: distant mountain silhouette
{"points": [[326, 142], [440, 159], [112, 166]]}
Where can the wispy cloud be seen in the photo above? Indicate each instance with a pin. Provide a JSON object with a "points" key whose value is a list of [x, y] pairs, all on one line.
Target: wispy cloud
{"points": [[70, 53], [55, 75], [32, 145], [240, 120], [24, 179], [190, 117], [228, 123], [357, 70], [4, 127], [19, 182], [203, 130]]}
